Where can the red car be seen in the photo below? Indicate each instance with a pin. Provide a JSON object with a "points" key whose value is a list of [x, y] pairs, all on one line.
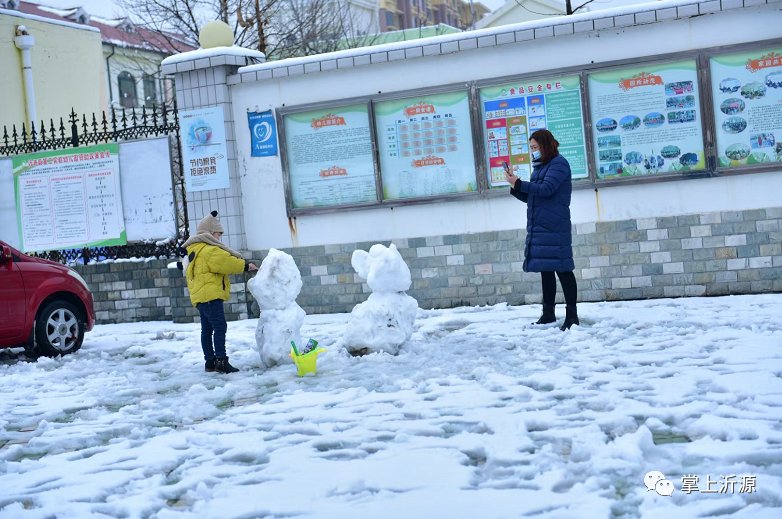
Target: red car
{"points": [[44, 306]]}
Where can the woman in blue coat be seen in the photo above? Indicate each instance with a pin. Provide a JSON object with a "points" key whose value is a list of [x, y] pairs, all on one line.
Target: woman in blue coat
{"points": [[549, 246]]}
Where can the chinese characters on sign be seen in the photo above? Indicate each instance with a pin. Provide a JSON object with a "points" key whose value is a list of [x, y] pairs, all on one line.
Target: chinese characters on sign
{"points": [[425, 146], [647, 121], [512, 112], [747, 93], [329, 156], [204, 153], [69, 198]]}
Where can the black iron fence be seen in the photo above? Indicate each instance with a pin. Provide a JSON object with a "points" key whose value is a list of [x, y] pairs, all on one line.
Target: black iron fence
{"points": [[116, 126]]}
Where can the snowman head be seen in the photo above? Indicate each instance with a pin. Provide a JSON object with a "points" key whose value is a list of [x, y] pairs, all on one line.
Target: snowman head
{"points": [[383, 268], [278, 281]]}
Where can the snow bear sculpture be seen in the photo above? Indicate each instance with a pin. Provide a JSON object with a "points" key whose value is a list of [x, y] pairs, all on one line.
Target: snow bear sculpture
{"points": [[384, 322], [275, 288]]}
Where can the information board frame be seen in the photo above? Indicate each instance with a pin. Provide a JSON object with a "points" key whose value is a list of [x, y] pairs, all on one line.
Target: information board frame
{"points": [[689, 162], [412, 94], [516, 160], [712, 81], [285, 153]]}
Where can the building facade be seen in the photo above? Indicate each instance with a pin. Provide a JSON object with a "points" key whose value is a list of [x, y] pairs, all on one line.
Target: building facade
{"points": [[129, 67], [408, 14], [66, 67]]}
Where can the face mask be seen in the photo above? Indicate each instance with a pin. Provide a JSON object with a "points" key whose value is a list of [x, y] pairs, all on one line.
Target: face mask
{"points": [[536, 155]]}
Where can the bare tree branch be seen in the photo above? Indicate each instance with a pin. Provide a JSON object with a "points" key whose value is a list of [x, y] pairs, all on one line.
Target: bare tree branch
{"points": [[569, 7], [278, 28]]}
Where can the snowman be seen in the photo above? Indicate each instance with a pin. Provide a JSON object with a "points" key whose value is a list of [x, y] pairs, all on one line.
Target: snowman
{"points": [[383, 322], [275, 288]]}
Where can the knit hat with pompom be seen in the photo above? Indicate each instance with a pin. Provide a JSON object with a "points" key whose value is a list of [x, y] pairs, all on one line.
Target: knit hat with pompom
{"points": [[209, 224]]}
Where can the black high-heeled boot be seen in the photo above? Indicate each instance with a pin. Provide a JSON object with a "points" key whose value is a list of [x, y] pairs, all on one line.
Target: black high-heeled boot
{"points": [[548, 315], [571, 317]]}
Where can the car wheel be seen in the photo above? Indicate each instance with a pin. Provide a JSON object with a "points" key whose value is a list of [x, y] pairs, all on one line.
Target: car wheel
{"points": [[59, 329]]}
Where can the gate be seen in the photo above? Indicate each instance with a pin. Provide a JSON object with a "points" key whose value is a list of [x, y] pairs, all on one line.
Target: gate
{"points": [[118, 126]]}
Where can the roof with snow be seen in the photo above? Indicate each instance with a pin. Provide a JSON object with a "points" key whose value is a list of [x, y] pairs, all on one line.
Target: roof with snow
{"points": [[121, 32]]}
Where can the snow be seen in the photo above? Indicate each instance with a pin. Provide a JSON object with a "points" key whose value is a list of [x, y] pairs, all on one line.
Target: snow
{"points": [[103, 8], [480, 415], [192, 55], [459, 36], [275, 289], [18, 14], [383, 322]]}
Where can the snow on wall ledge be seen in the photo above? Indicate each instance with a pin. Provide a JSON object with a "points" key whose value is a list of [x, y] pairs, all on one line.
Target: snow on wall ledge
{"points": [[551, 27]]}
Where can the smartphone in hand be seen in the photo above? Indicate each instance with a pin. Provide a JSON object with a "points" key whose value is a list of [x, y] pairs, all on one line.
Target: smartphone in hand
{"points": [[506, 166]]}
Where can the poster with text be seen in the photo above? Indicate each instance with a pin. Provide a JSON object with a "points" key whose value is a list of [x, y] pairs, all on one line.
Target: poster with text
{"points": [[204, 151], [69, 198], [425, 146], [513, 111], [329, 156], [747, 93], [647, 120], [263, 134]]}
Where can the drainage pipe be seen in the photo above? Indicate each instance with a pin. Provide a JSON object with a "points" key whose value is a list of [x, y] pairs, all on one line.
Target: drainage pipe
{"points": [[25, 42]]}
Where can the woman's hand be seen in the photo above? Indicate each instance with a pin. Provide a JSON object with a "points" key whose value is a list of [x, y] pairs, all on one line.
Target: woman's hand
{"points": [[252, 266], [510, 178]]}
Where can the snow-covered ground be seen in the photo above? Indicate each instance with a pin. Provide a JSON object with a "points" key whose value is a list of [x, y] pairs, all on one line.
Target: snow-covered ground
{"points": [[479, 416]]}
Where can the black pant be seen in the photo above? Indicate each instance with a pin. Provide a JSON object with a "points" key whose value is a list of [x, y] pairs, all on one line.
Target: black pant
{"points": [[549, 284], [213, 324]]}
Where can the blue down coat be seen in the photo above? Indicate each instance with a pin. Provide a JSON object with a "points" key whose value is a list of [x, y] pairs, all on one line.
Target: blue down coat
{"points": [[549, 245]]}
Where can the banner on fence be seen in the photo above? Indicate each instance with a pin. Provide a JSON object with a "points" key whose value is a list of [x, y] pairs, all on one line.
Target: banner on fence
{"points": [[69, 198], [204, 151], [147, 192]]}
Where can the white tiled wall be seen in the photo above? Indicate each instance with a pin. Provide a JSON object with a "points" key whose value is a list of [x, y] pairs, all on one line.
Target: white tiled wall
{"points": [[202, 83]]}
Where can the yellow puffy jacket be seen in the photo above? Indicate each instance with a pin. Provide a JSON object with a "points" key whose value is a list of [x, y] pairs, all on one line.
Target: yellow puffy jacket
{"points": [[207, 272]]}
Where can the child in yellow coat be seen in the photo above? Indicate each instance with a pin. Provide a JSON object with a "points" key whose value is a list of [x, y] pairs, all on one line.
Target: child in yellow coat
{"points": [[210, 262]]}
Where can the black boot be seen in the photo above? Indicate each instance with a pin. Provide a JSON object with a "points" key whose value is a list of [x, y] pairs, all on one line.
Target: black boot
{"points": [[223, 366], [571, 317], [209, 365], [548, 315]]}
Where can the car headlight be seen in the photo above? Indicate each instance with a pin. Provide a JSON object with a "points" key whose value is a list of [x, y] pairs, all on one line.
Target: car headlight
{"points": [[75, 274]]}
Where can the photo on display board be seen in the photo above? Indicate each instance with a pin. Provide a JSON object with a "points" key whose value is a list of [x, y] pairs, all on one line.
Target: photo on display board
{"points": [[647, 120], [747, 93]]}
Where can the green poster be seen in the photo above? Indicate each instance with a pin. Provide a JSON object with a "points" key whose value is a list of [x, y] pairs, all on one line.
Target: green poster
{"points": [[425, 146], [329, 154], [647, 120], [747, 92], [513, 111], [69, 198]]}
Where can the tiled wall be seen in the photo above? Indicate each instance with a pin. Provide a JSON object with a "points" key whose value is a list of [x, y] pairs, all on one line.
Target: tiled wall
{"points": [[149, 291], [688, 255], [717, 253], [203, 83]]}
